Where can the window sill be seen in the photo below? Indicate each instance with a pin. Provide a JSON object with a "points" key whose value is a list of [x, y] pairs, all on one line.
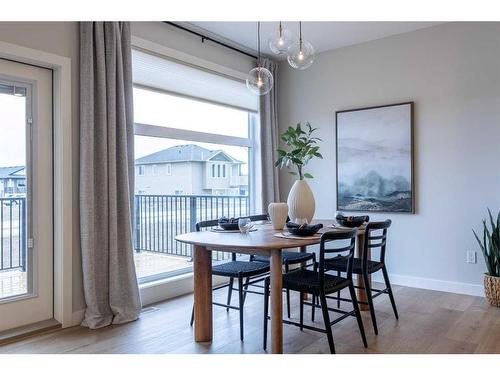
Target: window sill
{"points": [[170, 287]]}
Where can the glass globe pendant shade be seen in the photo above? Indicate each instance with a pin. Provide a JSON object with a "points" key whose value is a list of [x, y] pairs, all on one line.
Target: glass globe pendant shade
{"points": [[280, 41], [300, 55], [260, 80]]}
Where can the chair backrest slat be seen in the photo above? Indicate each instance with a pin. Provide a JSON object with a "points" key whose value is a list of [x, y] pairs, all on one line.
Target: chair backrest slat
{"points": [[330, 238], [372, 233]]}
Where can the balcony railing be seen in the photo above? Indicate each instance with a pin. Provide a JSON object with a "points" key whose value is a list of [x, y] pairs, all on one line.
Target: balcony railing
{"points": [[159, 218], [12, 233]]}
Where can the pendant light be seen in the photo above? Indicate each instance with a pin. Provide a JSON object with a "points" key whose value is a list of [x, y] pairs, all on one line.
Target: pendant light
{"points": [[259, 80], [280, 41], [300, 54]]}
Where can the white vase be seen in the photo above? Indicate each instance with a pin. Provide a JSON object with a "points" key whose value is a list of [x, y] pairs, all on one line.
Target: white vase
{"points": [[301, 201], [278, 213]]}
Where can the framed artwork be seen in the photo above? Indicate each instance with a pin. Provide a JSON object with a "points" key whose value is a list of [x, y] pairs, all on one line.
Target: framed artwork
{"points": [[375, 159]]}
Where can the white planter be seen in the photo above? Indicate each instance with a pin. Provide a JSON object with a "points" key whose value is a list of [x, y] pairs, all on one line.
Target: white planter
{"points": [[278, 213], [301, 201]]}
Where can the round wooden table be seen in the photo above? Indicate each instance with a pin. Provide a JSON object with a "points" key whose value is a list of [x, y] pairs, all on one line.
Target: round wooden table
{"points": [[261, 242]]}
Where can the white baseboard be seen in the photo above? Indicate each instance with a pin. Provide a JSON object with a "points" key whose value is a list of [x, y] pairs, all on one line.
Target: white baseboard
{"points": [[434, 284]]}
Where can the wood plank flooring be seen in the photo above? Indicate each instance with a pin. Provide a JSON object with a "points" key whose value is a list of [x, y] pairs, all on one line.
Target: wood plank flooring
{"points": [[430, 322]]}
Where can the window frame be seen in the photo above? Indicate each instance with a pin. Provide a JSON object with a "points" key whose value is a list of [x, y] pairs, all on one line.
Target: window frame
{"points": [[141, 167]]}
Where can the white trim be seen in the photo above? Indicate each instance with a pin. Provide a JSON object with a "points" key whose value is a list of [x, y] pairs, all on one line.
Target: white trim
{"points": [[164, 289], [172, 54], [189, 135], [63, 193], [434, 284]]}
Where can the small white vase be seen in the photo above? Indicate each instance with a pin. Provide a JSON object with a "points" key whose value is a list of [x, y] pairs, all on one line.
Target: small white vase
{"points": [[278, 213], [301, 201]]}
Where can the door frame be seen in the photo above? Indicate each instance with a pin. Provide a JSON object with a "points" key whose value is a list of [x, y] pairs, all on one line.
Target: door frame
{"points": [[62, 169]]}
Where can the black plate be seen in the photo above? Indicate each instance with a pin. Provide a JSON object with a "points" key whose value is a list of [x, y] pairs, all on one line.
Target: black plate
{"points": [[303, 232], [352, 221], [309, 230], [229, 226]]}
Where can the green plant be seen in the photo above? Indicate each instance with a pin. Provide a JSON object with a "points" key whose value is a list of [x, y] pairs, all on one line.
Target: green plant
{"points": [[490, 245], [302, 148]]}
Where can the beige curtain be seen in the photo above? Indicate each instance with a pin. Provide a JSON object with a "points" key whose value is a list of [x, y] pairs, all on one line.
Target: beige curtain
{"points": [[107, 174], [269, 136]]}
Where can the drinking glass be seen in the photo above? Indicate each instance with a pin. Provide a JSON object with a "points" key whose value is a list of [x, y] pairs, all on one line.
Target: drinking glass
{"points": [[245, 224]]}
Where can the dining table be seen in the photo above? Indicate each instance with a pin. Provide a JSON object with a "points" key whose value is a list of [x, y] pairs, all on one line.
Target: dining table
{"points": [[262, 241]]}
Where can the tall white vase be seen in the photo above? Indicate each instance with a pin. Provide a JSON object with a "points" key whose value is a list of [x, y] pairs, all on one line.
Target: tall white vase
{"points": [[301, 201], [278, 213]]}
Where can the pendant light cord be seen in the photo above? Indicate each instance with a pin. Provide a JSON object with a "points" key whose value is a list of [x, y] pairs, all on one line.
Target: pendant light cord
{"points": [[300, 35], [258, 44]]}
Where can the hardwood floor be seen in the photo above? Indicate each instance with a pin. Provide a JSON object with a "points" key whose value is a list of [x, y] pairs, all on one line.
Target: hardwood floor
{"points": [[430, 322]]}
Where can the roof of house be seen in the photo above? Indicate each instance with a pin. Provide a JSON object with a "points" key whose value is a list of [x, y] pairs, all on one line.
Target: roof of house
{"points": [[12, 172], [183, 153]]}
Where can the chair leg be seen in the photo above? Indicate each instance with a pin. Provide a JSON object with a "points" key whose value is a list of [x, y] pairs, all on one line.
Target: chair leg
{"points": [[368, 291], [288, 303], [266, 310], [358, 314], [287, 295], [328, 327], [229, 292], [245, 289], [313, 307], [389, 287], [338, 293], [192, 317], [301, 311], [241, 302]]}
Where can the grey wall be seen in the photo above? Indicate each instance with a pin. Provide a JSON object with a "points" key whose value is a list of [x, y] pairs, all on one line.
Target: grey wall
{"points": [[452, 72]]}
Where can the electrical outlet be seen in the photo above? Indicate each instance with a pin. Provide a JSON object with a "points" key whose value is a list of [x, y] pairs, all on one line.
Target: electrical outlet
{"points": [[471, 256]]}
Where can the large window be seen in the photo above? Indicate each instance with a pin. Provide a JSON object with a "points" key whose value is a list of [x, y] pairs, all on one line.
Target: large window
{"points": [[201, 153]]}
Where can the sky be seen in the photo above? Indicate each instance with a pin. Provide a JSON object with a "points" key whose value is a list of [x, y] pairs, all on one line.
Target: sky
{"points": [[12, 130]]}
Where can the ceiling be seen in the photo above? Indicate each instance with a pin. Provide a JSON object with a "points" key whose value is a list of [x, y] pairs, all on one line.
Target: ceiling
{"points": [[324, 36]]}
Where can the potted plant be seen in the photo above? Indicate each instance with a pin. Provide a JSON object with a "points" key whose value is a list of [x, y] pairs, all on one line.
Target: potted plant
{"points": [[302, 148], [490, 246]]}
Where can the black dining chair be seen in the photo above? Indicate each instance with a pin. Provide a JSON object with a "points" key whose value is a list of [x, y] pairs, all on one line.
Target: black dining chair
{"points": [[246, 272], [321, 284], [288, 258], [375, 238]]}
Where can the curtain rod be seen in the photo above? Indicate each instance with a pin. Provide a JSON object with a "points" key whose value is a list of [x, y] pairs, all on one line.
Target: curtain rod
{"points": [[204, 37]]}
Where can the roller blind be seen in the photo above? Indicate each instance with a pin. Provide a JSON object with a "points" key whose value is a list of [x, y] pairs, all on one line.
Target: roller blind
{"points": [[164, 74]]}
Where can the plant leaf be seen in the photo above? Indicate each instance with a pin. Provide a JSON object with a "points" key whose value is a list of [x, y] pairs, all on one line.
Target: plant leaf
{"points": [[308, 175]]}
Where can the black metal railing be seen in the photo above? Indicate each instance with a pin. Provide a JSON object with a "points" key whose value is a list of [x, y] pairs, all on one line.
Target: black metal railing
{"points": [[12, 233], [159, 218]]}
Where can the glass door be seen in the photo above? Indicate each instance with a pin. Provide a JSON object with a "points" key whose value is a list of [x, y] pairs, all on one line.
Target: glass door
{"points": [[26, 250]]}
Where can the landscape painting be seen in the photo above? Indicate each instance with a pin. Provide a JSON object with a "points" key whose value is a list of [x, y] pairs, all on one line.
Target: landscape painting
{"points": [[375, 159]]}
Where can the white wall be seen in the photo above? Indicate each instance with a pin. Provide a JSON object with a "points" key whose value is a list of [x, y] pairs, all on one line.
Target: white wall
{"points": [[452, 73]]}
